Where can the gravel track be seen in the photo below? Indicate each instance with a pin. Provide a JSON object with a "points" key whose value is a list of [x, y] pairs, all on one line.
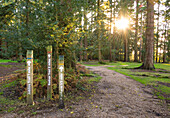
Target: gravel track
{"points": [[116, 96]]}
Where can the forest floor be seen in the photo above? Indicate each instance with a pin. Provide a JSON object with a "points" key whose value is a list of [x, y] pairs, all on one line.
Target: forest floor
{"points": [[9, 69], [115, 96]]}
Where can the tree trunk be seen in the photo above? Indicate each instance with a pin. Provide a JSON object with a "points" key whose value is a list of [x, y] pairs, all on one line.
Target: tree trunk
{"points": [[160, 53], [98, 34], [141, 40], [136, 33], [168, 48], [157, 34], [85, 46], [56, 48], [148, 63], [81, 40], [1, 48], [85, 29], [110, 44], [164, 51], [125, 47], [81, 46], [114, 32]]}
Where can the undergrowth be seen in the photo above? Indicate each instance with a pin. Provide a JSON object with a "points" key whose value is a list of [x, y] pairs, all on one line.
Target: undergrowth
{"points": [[14, 93]]}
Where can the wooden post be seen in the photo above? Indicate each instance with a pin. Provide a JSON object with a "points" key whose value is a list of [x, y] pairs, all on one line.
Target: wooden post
{"points": [[61, 81], [49, 72], [30, 77]]}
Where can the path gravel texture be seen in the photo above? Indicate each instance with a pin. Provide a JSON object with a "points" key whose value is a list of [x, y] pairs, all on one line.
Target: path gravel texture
{"points": [[116, 96], [122, 97]]}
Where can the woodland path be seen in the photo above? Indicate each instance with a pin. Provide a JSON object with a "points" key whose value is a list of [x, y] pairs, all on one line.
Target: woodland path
{"points": [[117, 96]]}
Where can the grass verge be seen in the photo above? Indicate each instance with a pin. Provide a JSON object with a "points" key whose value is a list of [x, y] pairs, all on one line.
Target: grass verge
{"points": [[160, 81], [6, 61]]}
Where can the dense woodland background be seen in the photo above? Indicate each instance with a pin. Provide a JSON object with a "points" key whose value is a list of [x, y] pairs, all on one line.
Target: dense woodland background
{"points": [[84, 30]]}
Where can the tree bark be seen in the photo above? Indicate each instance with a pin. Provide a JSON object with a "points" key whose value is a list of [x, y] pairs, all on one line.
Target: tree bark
{"points": [[85, 36], [81, 41], [81, 46], [160, 53], [141, 39], [164, 51], [125, 47], [136, 33], [157, 34], [110, 44], [98, 34], [148, 62], [114, 33]]}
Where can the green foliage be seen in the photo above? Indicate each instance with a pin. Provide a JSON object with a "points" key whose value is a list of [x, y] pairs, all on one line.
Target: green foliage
{"points": [[23, 82], [101, 62], [165, 66], [6, 61], [1, 93], [43, 82], [94, 79], [11, 84], [88, 75], [7, 66], [11, 109]]}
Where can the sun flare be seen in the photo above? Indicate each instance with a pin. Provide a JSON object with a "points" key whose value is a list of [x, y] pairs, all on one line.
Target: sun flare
{"points": [[123, 23]]}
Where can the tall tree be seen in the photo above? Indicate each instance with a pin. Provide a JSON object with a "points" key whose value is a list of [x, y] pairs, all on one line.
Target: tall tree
{"points": [[98, 32], [148, 62], [85, 29], [136, 32], [157, 34], [125, 46], [110, 44]]}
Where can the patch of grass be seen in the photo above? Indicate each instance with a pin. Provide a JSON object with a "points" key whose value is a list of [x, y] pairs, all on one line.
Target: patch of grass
{"points": [[142, 80], [11, 109], [94, 79], [161, 91], [164, 89], [6, 61], [153, 75], [1, 93], [78, 98], [88, 75], [7, 66], [162, 66], [92, 64], [102, 62], [34, 113], [5, 102], [144, 77], [10, 84], [21, 111]]}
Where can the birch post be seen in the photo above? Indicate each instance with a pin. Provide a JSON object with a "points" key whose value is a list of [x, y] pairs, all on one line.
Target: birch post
{"points": [[49, 72], [61, 81], [30, 77]]}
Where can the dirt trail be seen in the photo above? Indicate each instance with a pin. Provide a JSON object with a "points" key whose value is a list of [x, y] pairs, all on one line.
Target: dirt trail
{"points": [[116, 96]]}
